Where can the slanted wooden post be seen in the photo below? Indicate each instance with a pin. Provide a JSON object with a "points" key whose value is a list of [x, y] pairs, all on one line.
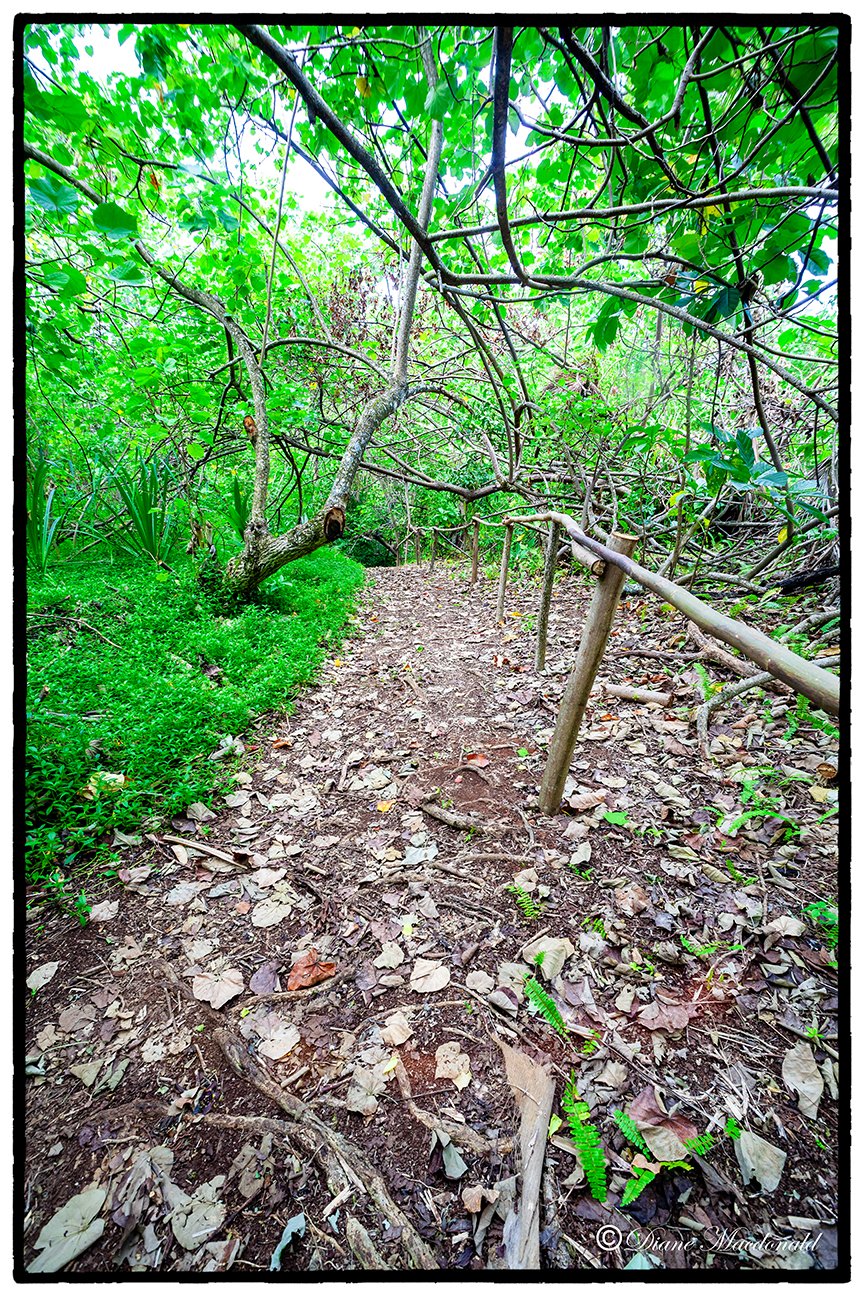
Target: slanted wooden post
{"points": [[505, 562], [434, 546], [546, 595], [595, 634], [475, 552]]}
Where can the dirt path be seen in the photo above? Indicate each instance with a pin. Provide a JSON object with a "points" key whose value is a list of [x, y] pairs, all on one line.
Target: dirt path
{"points": [[375, 835]]}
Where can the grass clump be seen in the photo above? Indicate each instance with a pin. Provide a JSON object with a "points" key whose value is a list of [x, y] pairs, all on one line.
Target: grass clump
{"points": [[142, 706]]}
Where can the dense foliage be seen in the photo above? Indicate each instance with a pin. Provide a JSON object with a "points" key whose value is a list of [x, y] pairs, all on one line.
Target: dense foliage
{"points": [[428, 274], [135, 680]]}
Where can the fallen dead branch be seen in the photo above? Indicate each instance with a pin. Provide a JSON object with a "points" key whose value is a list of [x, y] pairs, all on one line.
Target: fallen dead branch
{"points": [[453, 819], [534, 1090], [636, 694]]}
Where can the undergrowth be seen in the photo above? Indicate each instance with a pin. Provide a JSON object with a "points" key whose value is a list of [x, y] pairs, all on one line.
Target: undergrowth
{"points": [[142, 705]]}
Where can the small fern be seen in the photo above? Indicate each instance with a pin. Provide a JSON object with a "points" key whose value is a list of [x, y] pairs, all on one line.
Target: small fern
{"points": [[630, 1131], [634, 1187], [702, 1145], [530, 908], [545, 1005], [732, 1128], [586, 1139]]}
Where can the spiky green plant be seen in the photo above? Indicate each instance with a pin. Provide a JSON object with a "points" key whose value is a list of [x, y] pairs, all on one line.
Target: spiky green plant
{"points": [[530, 908], [630, 1130], [586, 1139], [149, 526], [545, 1005], [42, 521], [700, 1146], [732, 1128]]}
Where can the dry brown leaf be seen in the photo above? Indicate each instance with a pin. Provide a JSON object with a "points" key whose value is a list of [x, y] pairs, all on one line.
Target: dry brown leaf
{"points": [[801, 1074], [217, 990], [452, 1064], [427, 976], [309, 970]]}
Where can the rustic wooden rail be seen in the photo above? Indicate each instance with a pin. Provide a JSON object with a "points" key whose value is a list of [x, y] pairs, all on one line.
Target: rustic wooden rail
{"points": [[816, 683]]}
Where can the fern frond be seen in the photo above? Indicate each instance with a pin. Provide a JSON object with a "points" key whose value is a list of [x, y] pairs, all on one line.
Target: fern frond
{"points": [[636, 1186], [732, 1128], [545, 1005], [586, 1139], [701, 1145], [530, 908], [630, 1131]]}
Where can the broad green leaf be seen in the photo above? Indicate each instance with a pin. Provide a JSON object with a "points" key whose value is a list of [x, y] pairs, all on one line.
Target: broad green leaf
{"points": [[54, 195], [115, 223]]}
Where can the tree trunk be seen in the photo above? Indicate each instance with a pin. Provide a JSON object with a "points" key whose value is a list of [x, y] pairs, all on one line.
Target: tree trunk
{"points": [[263, 554]]}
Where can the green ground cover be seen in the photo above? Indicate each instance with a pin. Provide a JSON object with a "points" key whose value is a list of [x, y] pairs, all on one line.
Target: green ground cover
{"points": [[142, 705]]}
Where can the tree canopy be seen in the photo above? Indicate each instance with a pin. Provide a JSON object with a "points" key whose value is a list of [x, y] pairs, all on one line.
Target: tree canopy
{"points": [[549, 259]]}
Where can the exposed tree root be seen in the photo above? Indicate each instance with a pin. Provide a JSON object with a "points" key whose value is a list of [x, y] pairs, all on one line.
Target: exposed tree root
{"points": [[310, 1131]]}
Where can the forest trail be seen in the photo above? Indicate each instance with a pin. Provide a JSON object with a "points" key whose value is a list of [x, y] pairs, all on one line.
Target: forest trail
{"points": [[186, 1073]]}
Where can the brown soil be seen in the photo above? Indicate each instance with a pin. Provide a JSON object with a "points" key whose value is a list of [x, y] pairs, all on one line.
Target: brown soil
{"points": [[426, 682]]}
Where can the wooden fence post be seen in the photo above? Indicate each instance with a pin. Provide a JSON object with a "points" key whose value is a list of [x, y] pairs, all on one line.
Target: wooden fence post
{"points": [[546, 596], [434, 546], [595, 634], [505, 562], [475, 552]]}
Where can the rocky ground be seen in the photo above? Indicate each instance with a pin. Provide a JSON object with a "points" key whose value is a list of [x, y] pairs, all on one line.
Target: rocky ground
{"points": [[296, 1031]]}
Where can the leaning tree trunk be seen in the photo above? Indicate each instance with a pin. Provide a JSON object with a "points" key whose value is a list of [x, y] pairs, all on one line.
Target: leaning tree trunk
{"points": [[263, 554]]}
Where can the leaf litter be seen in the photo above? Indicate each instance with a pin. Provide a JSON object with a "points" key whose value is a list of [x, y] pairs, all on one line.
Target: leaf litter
{"points": [[365, 955]]}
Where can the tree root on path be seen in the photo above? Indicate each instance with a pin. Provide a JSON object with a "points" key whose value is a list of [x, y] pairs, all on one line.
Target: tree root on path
{"points": [[308, 1130], [461, 1135]]}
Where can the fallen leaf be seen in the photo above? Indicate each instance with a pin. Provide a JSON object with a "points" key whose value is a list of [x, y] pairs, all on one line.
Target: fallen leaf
{"points": [[631, 900], [265, 980], [474, 1197], [272, 910], [785, 925], [104, 911], [279, 1043], [658, 1016], [40, 976], [428, 976], [196, 1217], [197, 810], [309, 970], [665, 1134], [87, 1072], [396, 1030], [365, 1084], [392, 955], [70, 1231], [452, 1064], [218, 990], [555, 951], [759, 1160], [801, 1074], [296, 1226], [480, 981]]}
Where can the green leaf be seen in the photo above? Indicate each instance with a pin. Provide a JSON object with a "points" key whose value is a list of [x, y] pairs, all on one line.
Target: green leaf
{"points": [[195, 451], [66, 279], [53, 195], [128, 272], [438, 101], [115, 223]]}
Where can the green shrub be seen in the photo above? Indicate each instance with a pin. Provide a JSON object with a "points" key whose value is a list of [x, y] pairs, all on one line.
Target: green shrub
{"points": [[142, 706]]}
